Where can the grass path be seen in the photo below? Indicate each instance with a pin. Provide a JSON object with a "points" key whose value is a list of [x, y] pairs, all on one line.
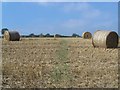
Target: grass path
{"points": [[61, 74]]}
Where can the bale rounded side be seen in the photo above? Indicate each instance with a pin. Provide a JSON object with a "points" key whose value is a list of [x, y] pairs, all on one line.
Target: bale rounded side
{"points": [[106, 39], [87, 35], [11, 36], [6, 36]]}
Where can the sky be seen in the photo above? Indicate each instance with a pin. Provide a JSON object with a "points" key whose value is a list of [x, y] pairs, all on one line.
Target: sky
{"points": [[63, 18]]}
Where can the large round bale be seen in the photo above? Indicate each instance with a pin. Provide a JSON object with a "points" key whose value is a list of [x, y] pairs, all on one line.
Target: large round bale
{"points": [[86, 35], [105, 39], [11, 36]]}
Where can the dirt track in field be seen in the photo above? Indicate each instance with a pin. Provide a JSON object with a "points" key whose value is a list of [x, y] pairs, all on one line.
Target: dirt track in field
{"points": [[60, 63]]}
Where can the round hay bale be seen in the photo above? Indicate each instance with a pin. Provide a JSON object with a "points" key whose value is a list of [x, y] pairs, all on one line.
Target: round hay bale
{"points": [[106, 39], [11, 36], [86, 35]]}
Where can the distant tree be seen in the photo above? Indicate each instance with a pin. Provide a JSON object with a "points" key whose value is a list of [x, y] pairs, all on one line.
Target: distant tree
{"points": [[41, 35], [75, 35], [3, 30], [31, 35], [27, 36], [23, 36], [47, 35], [36, 35], [57, 35]]}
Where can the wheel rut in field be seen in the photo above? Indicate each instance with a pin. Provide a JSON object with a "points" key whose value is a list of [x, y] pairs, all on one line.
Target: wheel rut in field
{"points": [[61, 75]]}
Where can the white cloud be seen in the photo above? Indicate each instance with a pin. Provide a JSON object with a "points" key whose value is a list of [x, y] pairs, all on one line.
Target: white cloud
{"points": [[59, 0], [73, 23], [89, 16], [43, 3], [85, 10], [76, 7]]}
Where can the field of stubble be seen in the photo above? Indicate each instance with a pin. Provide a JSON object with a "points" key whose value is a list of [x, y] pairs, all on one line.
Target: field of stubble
{"points": [[60, 63]]}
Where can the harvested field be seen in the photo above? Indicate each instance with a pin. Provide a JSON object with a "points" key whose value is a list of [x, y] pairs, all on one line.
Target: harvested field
{"points": [[58, 63]]}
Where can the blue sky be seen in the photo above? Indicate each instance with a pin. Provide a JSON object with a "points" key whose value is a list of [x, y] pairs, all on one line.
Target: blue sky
{"points": [[62, 18]]}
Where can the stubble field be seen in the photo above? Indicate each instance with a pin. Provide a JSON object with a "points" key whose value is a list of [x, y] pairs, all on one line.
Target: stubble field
{"points": [[58, 63]]}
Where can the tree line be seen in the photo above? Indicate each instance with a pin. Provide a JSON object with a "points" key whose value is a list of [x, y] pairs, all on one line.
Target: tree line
{"points": [[49, 35], [42, 35]]}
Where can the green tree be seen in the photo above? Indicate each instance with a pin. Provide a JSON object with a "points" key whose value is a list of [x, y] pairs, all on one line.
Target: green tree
{"points": [[3, 30], [75, 35]]}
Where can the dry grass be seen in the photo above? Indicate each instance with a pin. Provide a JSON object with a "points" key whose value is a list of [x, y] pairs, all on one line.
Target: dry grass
{"points": [[70, 62]]}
